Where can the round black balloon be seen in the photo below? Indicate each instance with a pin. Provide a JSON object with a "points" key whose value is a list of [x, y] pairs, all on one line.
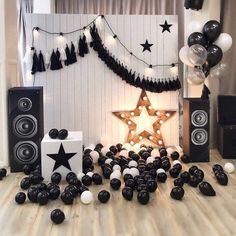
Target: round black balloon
{"points": [[20, 197], [25, 183], [27, 169], [178, 182], [53, 133], [214, 55], [177, 193], [56, 178], [115, 183], [197, 38], [57, 216], [97, 179], [67, 198], [161, 177], [212, 30], [43, 197], [127, 193], [103, 196], [151, 185], [206, 189], [143, 197], [62, 134], [86, 180], [54, 193]]}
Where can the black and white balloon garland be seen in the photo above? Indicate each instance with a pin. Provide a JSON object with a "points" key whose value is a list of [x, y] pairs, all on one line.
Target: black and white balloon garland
{"points": [[69, 56]]}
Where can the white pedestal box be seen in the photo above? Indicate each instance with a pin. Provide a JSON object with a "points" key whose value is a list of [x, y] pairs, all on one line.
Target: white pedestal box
{"points": [[62, 156]]}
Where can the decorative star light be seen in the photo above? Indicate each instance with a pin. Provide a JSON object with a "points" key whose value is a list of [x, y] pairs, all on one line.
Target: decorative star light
{"points": [[61, 158], [165, 27], [144, 122]]}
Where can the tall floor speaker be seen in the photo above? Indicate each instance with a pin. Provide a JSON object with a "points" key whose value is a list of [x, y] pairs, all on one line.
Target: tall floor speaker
{"points": [[25, 117], [196, 129]]}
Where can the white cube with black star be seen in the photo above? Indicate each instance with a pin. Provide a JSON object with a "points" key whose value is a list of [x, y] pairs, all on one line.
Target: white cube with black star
{"points": [[62, 156]]}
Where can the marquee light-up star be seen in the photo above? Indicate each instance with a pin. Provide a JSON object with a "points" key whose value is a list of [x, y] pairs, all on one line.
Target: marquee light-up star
{"points": [[61, 158], [165, 27], [146, 46], [144, 122]]}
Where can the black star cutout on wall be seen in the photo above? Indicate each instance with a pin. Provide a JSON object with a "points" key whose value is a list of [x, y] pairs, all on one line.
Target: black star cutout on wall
{"points": [[166, 27], [61, 159], [146, 46]]}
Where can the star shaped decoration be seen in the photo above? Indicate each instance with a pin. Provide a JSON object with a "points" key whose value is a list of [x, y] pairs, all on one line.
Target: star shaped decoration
{"points": [[144, 130], [165, 27], [146, 46], [61, 158]]}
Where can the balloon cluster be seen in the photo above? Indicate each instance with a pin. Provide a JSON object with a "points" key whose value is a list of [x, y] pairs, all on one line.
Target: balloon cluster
{"points": [[205, 50]]}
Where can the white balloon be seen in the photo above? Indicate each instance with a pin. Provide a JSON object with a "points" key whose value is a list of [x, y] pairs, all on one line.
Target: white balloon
{"points": [[155, 152], [183, 55], [108, 160], [133, 164], [195, 26], [86, 197], [224, 41], [134, 172], [126, 171], [150, 159], [115, 175], [80, 176], [95, 156], [127, 146], [90, 174], [104, 150], [229, 167], [160, 170], [176, 162], [124, 153], [116, 167]]}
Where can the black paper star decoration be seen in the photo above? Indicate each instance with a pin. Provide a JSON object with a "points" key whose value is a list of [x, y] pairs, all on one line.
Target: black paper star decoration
{"points": [[61, 158], [146, 46], [166, 27]]}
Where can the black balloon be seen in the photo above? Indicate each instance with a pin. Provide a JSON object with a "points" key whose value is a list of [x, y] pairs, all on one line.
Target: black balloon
{"points": [[86, 180], [212, 30], [185, 158], [27, 169], [161, 177], [174, 155], [67, 198], [127, 193], [151, 185], [43, 197], [54, 193], [192, 169], [143, 197], [222, 178], [214, 55], [115, 183], [97, 179], [177, 193], [62, 134], [185, 176], [174, 172], [56, 178], [103, 196], [206, 189], [3, 172], [57, 216], [53, 133], [178, 182], [193, 181], [197, 38], [25, 183], [20, 197]]}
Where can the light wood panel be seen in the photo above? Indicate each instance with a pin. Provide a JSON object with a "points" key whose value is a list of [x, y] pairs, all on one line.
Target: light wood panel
{"points": [[82, 96], [194, 215]]}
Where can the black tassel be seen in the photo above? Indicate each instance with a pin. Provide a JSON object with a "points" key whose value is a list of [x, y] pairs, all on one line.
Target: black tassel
{"points": [[35, 66], [86, 50], [81, 49], [58, 60], [205, 92], [178, 84], [68, 59], [73, 58], [53, 61], [41, 62]]}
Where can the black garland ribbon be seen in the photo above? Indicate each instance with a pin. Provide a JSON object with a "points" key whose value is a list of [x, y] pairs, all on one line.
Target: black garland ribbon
{"points": [[157, 86]]}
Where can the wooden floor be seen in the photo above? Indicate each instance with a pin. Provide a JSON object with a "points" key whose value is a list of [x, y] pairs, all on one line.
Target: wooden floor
{"points": [[194, 215]]}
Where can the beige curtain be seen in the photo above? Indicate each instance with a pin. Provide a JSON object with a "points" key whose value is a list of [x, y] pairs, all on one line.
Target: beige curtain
{"points": [[228, 18], [23, 7]]}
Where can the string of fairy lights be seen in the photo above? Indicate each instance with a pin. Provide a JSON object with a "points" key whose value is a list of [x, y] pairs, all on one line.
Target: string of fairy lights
{"points": [[114, 35]]}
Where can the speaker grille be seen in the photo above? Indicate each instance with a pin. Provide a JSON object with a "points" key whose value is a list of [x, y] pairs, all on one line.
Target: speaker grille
{"points": [[24, 104], [199, 118], [199, 136], [25, 126], [25, 152]]}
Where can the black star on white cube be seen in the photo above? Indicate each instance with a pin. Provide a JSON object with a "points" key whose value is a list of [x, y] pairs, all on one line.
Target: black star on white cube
{"points": [[62, 156]]}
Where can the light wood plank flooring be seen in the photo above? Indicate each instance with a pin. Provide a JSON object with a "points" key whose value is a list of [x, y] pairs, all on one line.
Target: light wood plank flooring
{"points": [[194, 215]]}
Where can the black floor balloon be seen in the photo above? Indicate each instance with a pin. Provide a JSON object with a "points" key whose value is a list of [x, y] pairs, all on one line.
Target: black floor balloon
{"points": [[177, 193], [143, 197], [43, 197], [25, 183], [86, 180], [151, 185], [3, 172], [57, 216], [178, 182], [185, 176], [54, 193], [206, 189], [32, 194], [67, 198], [115, 183], [27, 169], [127, 193], [20, 197], [53, 133], [161, 177], [103, 196], [56, 177], [193, 181], [97, 179]]}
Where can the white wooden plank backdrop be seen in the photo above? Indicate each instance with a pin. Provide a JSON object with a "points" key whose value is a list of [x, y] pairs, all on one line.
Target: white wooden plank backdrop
{"points": [[82, 96]]}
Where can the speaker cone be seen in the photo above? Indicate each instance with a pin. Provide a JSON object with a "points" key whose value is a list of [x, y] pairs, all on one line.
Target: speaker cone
{"points": [[25, 152], [25, 126], [199, 118], [24, 104], [199, 136]]}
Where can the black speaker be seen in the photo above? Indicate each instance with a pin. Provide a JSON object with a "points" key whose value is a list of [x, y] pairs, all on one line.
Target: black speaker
{"points": [[226, 112], [193, 4], [25, 123], [196, 129], [227, 141]]}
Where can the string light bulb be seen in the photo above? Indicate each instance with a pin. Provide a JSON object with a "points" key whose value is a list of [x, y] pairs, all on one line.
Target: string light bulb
{"points": [[145, 98], [122, 115], [140, 107], [129, 122], [168, 114], [161, 122], [131, 54], [160, 142], [61, 34], [150, 66], [150, 107], [114, 36], [140, 137], [36, 28], [132, 142], [132, 113], [158, 113], [158, 131], [132, 132], [174, 70], [150, 137]]}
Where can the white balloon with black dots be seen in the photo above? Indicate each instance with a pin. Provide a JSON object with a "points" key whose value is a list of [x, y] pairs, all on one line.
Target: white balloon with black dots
{"points": [[95, 156], [229, 167], [86, 197], [160, 170]]}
